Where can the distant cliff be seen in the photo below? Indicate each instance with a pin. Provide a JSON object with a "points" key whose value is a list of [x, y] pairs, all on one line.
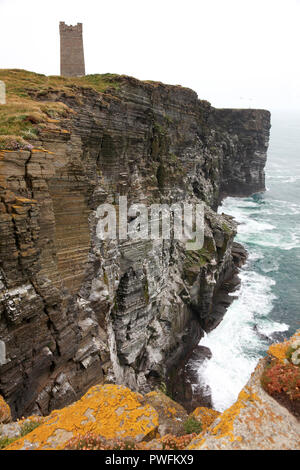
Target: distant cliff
{"points": [[74, 310]]}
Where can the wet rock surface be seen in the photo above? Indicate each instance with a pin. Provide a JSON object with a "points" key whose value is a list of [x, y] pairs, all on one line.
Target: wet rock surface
{"points": [[184, 383]]}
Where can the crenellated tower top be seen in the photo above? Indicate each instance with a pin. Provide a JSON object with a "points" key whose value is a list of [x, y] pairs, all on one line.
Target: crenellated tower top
{"points": [[64, 28]]}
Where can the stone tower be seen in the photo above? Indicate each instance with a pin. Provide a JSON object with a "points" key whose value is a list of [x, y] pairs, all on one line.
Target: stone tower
{"points": [[71, 50]]}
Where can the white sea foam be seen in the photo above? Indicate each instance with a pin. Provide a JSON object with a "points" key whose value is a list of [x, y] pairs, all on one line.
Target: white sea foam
{"points": [[235, 344], [267, 328], [269, 227], [240, 339]]}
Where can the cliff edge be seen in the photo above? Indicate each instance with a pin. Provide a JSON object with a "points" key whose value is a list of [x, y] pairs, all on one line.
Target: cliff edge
{"points": [[264, 417], [76, 311]]}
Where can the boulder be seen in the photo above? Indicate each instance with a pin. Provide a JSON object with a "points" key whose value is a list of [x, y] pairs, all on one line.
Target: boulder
{"points": [[110, 411], [205, 416], [171, 415]]}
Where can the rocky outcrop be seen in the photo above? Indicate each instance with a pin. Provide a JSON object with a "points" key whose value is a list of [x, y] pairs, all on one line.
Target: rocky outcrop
{"points": [[265, 415], [114, 417], [109, 411], [75, 310], [256, 421]]}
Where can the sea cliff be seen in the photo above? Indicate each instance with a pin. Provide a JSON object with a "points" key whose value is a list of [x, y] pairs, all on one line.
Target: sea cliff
{"points": [[76, 311]]}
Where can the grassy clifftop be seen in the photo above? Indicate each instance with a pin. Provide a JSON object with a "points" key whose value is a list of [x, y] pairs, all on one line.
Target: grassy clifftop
{"points": [[32, 101], [27, 110]]}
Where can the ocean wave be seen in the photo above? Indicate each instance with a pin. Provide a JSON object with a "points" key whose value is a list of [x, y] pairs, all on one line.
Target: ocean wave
{"points": [[284, 179], [267, 328], [267, 226], [235, 344], [282, 241]]}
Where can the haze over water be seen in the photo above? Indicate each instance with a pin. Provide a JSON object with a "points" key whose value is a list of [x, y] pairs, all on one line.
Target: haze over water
{"points": [[269, 297]]}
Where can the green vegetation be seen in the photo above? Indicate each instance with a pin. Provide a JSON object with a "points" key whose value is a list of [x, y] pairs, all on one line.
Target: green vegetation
{"points": [[22, 83], [200, 257], [159, 129], [226, 229], [209, 248], [26, 428], [173, 158], [5, 441], [293, 352], [100, 82], [196, 259], [105, 278], [163, 388], [191, 426], [168, 119], [160, 142]]}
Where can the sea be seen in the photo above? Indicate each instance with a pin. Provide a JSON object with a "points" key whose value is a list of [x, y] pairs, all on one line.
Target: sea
{"points": [[267, 306]]}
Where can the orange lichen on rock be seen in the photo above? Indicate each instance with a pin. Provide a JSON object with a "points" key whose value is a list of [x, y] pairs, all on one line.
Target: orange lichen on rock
{"points": [[279, 350], [254, 421], [224, 426], [5, 415], [171, 415], [110, 411], [206, 416]]}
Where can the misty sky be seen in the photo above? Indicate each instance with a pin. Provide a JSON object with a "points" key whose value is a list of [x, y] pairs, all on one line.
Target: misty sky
{"points": [[234, 53]]}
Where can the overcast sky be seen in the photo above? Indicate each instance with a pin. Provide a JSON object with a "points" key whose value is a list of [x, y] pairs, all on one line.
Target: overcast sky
{"points": [[234, 53]]}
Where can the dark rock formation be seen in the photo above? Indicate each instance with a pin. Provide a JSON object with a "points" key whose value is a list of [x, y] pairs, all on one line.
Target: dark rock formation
{"points": [[243, 158], [184, 384], [75, 310]]}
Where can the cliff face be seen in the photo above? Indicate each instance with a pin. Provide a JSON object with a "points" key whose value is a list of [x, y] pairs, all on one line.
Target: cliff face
{"points": [[75, 310], [244, 149]]}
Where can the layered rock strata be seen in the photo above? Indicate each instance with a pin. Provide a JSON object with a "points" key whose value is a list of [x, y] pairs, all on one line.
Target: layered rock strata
{"points": [[76, 310]]}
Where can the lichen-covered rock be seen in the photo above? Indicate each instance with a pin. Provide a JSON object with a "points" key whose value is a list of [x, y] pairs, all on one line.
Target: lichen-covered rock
{"points": [[280, 350], [171, 415], [109, 411], [254, 422], [5, 415], [21, 427], [281, 376], [205, 416]]}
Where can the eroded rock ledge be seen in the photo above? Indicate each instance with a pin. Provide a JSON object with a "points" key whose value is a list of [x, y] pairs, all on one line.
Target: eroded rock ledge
{"points": [[76, 311], [109, 415]]}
